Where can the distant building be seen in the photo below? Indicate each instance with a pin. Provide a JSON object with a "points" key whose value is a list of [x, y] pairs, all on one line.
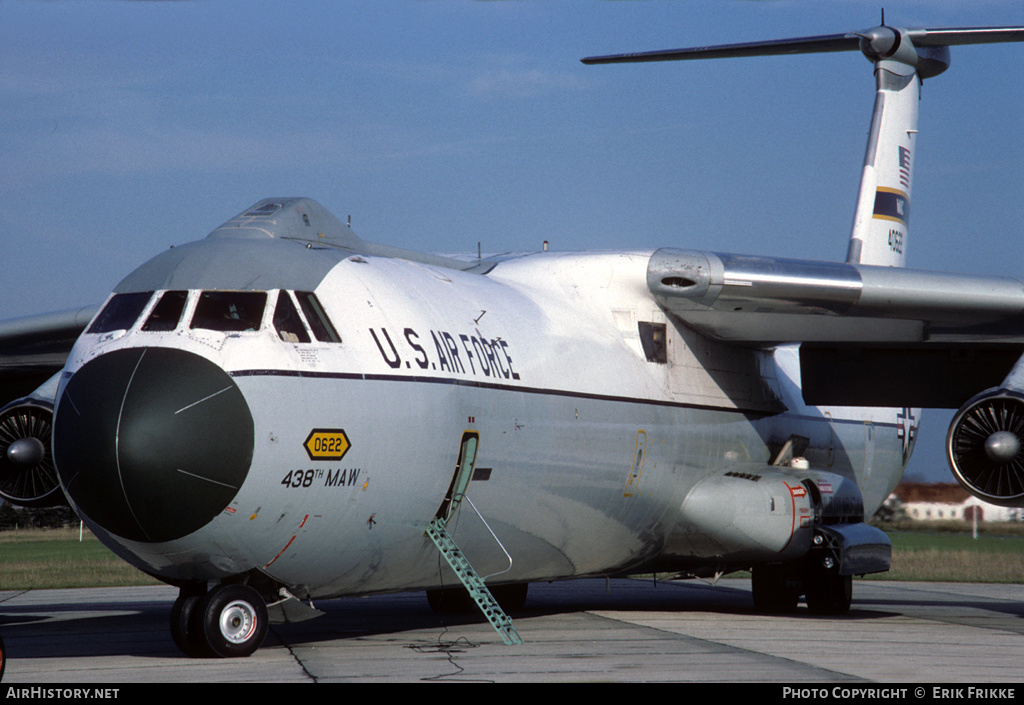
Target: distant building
{"points": [[946, 501]]}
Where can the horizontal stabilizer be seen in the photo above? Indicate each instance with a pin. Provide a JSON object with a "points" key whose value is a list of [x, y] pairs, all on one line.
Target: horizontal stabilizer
{"points": [[902, 59], [802, 45], [873, 42]]}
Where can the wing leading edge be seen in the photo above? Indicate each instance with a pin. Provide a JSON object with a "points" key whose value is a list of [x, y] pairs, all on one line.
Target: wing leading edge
{"points": [[33, 348], [869, 335], [765, 301]]}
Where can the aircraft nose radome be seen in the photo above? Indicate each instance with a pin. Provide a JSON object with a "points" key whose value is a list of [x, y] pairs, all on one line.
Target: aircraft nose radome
{"points": [[152, 443]]}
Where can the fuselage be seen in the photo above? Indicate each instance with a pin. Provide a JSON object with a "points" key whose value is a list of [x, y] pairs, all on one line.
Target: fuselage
{"points": [[315, 447]]}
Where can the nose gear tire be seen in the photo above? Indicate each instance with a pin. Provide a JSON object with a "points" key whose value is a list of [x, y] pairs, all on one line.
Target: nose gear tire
{"points": [[234, 620], [230, 621]]}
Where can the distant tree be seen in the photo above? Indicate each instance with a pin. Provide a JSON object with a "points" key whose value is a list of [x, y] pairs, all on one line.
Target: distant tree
{"points": [[12, 517], [892, 510]]}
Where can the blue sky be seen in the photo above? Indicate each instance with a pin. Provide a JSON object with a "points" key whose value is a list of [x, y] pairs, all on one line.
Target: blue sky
{"points": [[128, 127]]}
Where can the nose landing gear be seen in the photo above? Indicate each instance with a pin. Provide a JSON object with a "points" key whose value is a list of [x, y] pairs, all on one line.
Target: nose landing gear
{"points": [[228, 621]]}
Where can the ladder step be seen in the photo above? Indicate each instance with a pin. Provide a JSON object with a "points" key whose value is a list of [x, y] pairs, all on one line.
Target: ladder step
{"points": [[473, 583]]}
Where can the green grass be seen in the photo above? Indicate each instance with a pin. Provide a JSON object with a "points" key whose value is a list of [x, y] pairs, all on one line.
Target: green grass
{"points": [[951, 554], [55, 558]]}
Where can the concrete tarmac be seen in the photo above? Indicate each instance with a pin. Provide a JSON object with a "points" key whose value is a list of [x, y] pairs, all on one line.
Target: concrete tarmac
{"points": [[578, 631]]}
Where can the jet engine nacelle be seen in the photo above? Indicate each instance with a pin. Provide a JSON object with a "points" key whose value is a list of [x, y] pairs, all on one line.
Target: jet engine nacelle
{"points": [[984, 446], [28, 477]]}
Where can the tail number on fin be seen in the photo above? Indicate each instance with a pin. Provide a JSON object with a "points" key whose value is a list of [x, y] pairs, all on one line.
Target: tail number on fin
{"points": [[896, 241]]}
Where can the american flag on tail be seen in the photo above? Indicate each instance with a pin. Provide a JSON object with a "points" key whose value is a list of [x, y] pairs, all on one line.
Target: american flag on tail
{"points": [[905, 167]]}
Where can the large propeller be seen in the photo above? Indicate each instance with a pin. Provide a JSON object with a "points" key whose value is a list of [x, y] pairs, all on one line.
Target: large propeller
{"points": [[28, 477], [984, 447]]}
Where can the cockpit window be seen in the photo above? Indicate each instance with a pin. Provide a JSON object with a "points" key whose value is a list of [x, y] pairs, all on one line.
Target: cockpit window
{"points": [[317, 317], [121, 312], [167, 312], [287, 322], [230, 310]]}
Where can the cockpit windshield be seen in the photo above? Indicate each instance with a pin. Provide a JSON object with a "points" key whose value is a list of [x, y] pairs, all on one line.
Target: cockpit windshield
{"points": [[121, 312], [287, 322], [322, 327], [298, 317], [166, 313], [231, 311]]}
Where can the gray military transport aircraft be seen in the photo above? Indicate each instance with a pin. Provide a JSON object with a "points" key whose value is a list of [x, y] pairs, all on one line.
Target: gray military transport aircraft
{"points": [[282, 412]]}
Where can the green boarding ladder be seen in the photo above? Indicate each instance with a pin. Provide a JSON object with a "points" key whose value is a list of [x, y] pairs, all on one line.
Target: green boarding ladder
{"points": [[471, 579], [438, 533]]}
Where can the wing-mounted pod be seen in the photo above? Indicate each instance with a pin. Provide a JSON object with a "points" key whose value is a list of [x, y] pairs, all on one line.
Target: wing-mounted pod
{"points": [[984, 442], [28, 477]]}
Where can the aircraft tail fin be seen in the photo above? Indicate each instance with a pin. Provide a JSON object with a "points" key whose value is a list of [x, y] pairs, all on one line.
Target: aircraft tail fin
{"points": [[903, 58], [882, 215]]}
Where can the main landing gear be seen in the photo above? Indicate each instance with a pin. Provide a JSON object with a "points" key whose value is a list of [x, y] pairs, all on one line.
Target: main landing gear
{"points": [[777, 587], [824, 576], [228, 621]]}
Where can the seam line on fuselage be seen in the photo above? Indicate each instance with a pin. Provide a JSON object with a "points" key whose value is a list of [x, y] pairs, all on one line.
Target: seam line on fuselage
{"points": [[534, 390], [373, 377], [488, 385]]}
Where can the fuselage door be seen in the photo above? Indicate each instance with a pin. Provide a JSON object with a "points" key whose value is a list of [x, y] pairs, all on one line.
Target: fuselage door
{"points": [[463, 474]]}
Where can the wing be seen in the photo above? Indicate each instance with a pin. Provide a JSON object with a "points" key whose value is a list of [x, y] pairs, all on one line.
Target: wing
{"points": [[34, 348], [875, 336]]}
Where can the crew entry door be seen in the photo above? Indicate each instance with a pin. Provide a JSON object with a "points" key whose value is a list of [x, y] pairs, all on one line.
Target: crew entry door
{"points": [[463, 474]]}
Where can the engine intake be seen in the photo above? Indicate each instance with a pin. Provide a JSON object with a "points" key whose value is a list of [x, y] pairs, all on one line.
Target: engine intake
{"points": [[984, 446], [28, 477]]}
